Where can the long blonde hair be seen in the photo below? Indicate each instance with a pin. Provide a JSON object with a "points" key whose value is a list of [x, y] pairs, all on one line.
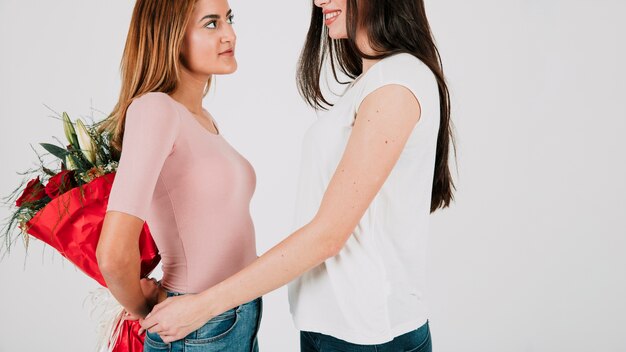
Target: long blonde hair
{"points": [[151, 59]]}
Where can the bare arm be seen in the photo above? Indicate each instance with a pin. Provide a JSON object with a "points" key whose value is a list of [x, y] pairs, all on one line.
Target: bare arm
{"points": [[119, 261], [150, 131], [384, 123]]}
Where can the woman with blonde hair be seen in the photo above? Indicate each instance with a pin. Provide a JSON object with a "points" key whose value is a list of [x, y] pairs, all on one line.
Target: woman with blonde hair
{"points": [[374, 167], [178, 173]]}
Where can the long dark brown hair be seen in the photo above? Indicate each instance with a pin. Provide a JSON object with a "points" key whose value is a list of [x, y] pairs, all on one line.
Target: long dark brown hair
{"points": [[392, 26]]}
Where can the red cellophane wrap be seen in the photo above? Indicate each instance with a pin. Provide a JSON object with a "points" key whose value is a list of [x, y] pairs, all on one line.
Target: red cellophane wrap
{"points": [[71, 224]]}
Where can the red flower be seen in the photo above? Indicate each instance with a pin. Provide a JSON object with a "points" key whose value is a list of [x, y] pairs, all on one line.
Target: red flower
{"points": [[60, 183], [34, 191]]}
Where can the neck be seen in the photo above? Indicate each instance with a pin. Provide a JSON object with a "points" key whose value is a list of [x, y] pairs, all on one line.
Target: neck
{"points": [[190, 90], [367, 64], [365, 47]]}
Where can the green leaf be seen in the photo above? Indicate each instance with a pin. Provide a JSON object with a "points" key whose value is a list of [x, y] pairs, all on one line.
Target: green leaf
{"points": [[54, 150]]}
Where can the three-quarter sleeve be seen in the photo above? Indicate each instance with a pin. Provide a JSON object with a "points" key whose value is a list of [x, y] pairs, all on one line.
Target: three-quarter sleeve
{"points": [[151, 127]]}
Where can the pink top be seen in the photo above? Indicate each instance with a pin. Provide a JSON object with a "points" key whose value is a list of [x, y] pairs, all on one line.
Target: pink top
{"points": [[191, 187]]}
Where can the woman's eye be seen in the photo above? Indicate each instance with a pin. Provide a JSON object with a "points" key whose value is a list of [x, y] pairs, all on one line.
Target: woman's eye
{"points": [[212, 24], [231, 19]]}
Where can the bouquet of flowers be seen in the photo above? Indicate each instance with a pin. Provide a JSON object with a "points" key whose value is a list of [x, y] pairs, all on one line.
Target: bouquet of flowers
{"points": [[65, 208]]}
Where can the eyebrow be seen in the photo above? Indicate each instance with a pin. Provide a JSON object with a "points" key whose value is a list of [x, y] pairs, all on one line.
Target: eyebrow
{"points": [[216, 17]]}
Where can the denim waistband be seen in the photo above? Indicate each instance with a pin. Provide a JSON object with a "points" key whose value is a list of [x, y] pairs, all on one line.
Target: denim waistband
{"points": [[173, 294]]}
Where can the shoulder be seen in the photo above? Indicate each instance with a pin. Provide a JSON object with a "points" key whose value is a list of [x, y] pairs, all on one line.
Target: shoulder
{"points": [[402, 67], [399, 78], [401, 70], [152, 100], [156, 106]]}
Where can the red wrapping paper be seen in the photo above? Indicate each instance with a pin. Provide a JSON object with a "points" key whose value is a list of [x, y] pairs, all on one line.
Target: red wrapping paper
{"points": [[71, 224], [129, 339]]}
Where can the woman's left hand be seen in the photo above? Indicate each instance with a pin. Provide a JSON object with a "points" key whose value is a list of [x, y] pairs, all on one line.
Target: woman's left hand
{"points": [[175, 318]]}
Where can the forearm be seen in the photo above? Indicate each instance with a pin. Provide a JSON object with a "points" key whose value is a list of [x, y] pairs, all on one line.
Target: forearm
{"points": [[119, 260], [298, 253], [122, 278]]}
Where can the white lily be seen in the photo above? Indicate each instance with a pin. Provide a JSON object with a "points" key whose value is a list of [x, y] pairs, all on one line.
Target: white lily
{"points": [[85, 141], [69, 163], [70, 132]]}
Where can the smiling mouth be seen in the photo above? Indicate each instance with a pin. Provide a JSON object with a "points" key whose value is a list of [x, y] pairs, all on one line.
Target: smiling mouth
{"points": [[331, 15]]}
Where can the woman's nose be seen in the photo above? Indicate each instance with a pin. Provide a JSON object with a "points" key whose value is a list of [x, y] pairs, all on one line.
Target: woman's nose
{"points": [[320, 3], [229, 35]]}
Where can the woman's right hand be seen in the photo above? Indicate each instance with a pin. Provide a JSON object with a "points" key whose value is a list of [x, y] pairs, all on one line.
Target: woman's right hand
{"points": [[152, 291]]}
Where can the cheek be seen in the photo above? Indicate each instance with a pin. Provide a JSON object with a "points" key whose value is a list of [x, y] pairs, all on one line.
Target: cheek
{"points": [[338, 30], [201, 50]]}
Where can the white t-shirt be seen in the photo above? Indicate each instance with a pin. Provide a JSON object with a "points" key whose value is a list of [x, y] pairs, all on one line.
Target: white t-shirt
{"points": [[373, 290]]}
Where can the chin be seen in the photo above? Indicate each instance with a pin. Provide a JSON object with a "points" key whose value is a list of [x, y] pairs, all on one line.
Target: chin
{"points": [[334, 35], [226, 69]]}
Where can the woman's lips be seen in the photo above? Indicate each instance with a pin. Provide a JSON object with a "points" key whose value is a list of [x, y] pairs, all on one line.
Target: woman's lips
{"points": [[330, 16], [229, 52]]}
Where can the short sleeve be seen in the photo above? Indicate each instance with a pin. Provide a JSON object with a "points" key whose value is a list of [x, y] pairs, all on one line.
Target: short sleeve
{"points": [[401, 69], [151, 127]]}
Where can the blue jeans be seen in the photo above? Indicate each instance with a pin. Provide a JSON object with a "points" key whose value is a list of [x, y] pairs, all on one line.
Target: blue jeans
{"points": [[413, 341], [232, 331]]}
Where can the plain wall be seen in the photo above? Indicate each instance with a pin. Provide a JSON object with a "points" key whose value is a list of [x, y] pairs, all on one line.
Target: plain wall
{"points": [[531, 256]]}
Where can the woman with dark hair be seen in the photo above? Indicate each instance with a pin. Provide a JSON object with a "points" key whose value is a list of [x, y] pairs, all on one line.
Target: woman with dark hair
{"points": [[374, 166]]}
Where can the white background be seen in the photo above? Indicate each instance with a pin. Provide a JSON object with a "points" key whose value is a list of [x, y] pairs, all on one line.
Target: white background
{"points": [[531, 257]]}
